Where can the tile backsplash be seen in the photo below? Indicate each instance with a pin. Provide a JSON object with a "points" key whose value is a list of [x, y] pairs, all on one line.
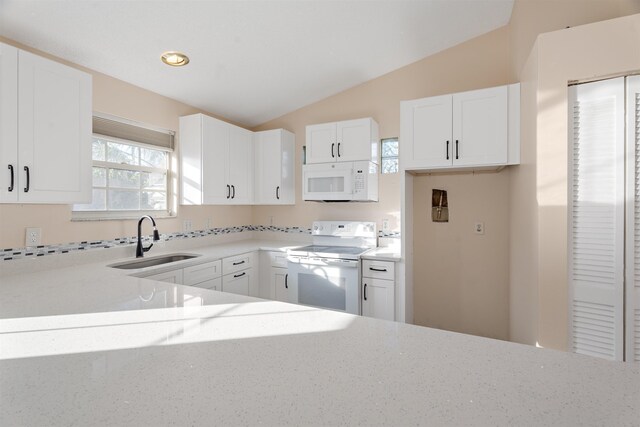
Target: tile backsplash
{"points": [[8, 254]]}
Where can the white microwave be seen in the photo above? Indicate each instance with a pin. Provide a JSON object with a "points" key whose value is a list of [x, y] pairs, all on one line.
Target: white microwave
{"points": [[340, 182]]}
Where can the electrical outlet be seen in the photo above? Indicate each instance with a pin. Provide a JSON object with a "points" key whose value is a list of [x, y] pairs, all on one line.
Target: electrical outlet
{"points": [[33, 236], [270, 220], [208, 224], [385, 224], [479, 228], [187, 226]]}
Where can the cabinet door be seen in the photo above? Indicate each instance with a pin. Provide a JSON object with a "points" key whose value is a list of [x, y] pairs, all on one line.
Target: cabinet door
{"points": [[237, 283], [8, 123], [54, 128], [480, 123], [280, 280], [174, 276], [240, 165], [202, 272], [378, 299], [425, 133], [321, 143], [215, 146], [268, 158], [354, 140]]}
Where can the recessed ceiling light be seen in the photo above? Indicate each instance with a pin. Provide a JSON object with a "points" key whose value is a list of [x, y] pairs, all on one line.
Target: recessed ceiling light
{"points": [[175, 59]]}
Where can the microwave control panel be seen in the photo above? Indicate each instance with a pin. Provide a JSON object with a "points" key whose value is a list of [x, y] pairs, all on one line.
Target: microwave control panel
{"points": [[359, 180]]}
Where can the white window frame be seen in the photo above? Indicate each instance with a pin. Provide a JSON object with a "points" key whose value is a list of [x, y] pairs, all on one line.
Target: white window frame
{"points": [[382, 157], [106, 215]]}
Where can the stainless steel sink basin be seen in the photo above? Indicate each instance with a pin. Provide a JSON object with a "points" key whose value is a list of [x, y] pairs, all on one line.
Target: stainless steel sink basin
{"points": [[150, 262]]}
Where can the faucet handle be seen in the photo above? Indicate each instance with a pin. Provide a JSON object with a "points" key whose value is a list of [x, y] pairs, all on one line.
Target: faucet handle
{"points": [[147, 248]]}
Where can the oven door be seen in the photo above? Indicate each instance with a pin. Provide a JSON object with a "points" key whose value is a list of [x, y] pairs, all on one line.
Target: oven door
{"points": [[327, 181], [325, 283]]}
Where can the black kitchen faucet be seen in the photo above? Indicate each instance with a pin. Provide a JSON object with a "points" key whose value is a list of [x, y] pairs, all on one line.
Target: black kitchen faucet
{"points": [[140, 250]]}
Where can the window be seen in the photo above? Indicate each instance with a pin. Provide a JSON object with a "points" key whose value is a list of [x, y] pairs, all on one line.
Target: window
{"points": [[389, 155], [127, 177]]}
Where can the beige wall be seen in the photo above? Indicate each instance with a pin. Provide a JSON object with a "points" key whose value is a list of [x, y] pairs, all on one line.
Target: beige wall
{"points": [[580, 53], [530, 18], [118, 98], [461, 279]]}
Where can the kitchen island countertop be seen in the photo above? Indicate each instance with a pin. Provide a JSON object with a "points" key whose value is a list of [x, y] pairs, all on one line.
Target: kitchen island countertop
{"points": [[86, 345]]}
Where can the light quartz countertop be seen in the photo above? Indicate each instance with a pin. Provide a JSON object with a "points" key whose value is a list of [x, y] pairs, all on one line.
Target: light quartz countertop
{"points": [[89, 345], [383, 253]]}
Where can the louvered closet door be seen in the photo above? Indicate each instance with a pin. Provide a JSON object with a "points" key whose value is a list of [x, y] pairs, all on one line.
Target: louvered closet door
{"points": [[632, 291], [596, 212]]}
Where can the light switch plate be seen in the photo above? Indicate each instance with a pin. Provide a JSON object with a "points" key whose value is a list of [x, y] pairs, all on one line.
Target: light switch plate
{"points": [[385, 224], [186, 225]]}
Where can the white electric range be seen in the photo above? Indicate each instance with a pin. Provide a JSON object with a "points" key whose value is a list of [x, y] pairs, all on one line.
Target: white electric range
{"points": [[326, 273]]}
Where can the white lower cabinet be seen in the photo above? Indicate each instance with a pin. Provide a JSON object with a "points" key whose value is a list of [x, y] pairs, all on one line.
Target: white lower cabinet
{"points": [[239, 276], [378, 298], [173, 276], [378, 289], [206, 276], [280, 284], [237, 283]]}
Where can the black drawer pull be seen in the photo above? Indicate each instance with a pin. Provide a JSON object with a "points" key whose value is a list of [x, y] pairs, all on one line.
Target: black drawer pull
{"points": [[239, 275], [26, 189], [383, 270], [11, 185], [286, 281], [238, 263], [365, 292]]}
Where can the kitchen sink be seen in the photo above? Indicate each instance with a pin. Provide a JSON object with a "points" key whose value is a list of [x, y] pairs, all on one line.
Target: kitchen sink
{"points": [[150, 262]]}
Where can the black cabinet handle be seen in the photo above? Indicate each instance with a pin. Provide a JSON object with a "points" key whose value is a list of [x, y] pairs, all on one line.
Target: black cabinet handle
{"points": [[11, 185], [365, 292], [278, 192], [240, 275], [286, 281], [228, 191], [378, 269], [456, 149], [26, 189], [338, 149], [233, 187], [447, 150], [238, 263]]}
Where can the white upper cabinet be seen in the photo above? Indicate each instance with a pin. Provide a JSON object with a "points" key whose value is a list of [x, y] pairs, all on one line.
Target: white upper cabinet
{"points": [[346, 141], [217, 162], [476, 129], [45, 130], [275, 168]]}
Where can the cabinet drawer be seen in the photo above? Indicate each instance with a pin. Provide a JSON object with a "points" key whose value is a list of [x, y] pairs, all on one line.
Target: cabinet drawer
{"points": [[213, 284], [237, 283], [278, 259], [236, 263], [202, 272], [378, 269]]}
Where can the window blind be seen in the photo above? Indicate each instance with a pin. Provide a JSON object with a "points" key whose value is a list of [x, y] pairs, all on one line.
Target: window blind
{"points": [[133, 132], [596, 219], [633, 222]]}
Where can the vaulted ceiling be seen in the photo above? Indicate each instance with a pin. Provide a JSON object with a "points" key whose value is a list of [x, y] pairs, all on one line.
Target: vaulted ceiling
{"points": [[251, 61]]}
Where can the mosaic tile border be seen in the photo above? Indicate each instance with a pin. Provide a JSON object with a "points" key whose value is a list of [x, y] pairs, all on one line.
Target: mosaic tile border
{"points": [[74, 247]]}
